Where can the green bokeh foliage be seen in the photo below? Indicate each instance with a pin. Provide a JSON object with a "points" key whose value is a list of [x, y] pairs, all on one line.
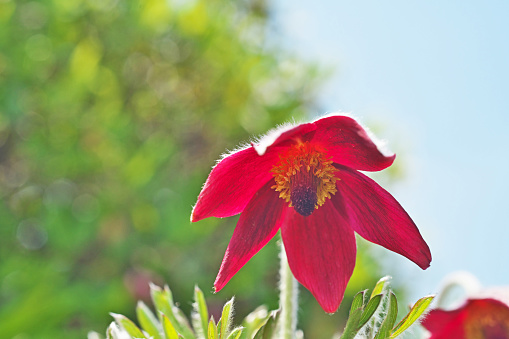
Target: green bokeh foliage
{"points": [[111, 116]]}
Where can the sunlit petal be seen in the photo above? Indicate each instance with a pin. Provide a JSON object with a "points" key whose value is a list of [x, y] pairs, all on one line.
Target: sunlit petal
{"points": [[321, 253], [232, 183], [378, 217], [259, 222], [349, 144]]}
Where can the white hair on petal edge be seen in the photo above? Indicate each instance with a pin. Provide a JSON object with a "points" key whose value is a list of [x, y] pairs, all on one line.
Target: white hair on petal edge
{"points": [[380, 144], [242, 146], [334, 114], [262, 143]]}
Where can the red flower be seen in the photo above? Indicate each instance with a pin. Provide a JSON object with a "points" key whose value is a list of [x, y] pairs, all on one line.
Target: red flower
{"points": [[304, 181], [486, 318]]}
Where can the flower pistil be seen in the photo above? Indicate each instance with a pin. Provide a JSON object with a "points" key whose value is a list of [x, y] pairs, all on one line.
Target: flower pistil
{"points": [[305, 177]]}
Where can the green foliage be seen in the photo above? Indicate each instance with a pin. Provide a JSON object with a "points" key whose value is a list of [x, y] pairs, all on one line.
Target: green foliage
{"points": [[268, 328], [200, 313], [390, 318], [373, 318], [226, 319], [165, 327], [376, 321], [370, 309], [419, 308], [356, 311], [380, 285]]}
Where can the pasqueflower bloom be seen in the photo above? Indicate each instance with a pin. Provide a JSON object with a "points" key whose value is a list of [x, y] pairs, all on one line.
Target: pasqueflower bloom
{"points": [[477, 318], [303, 180]]}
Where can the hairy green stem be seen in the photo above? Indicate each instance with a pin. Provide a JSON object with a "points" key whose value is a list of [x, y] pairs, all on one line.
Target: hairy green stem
{"points": [[288, 298]]}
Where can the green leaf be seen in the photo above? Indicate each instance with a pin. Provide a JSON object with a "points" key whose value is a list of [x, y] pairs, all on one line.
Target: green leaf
{"points": [[352, 324], [253, 321], [148, 320], [212, 329], [390, 318], [169, 330], [268, 330], [271, 326], [236, 333], [370, 309], [226, 319], [358, 301], [200, 314], [379, 287], [417, 310], [218, 326], [128, 326], [163, 301], [183, 323]]}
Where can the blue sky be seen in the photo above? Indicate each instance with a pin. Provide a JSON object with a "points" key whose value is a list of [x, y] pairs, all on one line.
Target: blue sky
{"points": [[434, 75]]}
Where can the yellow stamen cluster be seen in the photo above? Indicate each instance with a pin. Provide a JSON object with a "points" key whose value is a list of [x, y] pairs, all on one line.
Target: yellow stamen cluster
{"points": [[305, 161]]}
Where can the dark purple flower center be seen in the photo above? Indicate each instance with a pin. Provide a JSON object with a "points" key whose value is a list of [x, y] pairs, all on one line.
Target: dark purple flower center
{"points": [[303, 187], [305, 177]]}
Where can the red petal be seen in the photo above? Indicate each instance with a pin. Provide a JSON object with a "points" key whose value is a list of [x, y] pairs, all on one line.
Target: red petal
{"points": [[321, 253], [284, 136], [232, 183], [488, 315], [378, 217], [259, 222], [445, 324], [349, 144]]}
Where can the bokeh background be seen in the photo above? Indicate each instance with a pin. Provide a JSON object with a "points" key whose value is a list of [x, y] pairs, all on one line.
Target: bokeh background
{"points": [[112, 113]]}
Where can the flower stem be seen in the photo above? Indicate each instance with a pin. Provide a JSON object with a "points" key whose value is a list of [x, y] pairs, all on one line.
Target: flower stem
{"points": [[288, 303]]}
